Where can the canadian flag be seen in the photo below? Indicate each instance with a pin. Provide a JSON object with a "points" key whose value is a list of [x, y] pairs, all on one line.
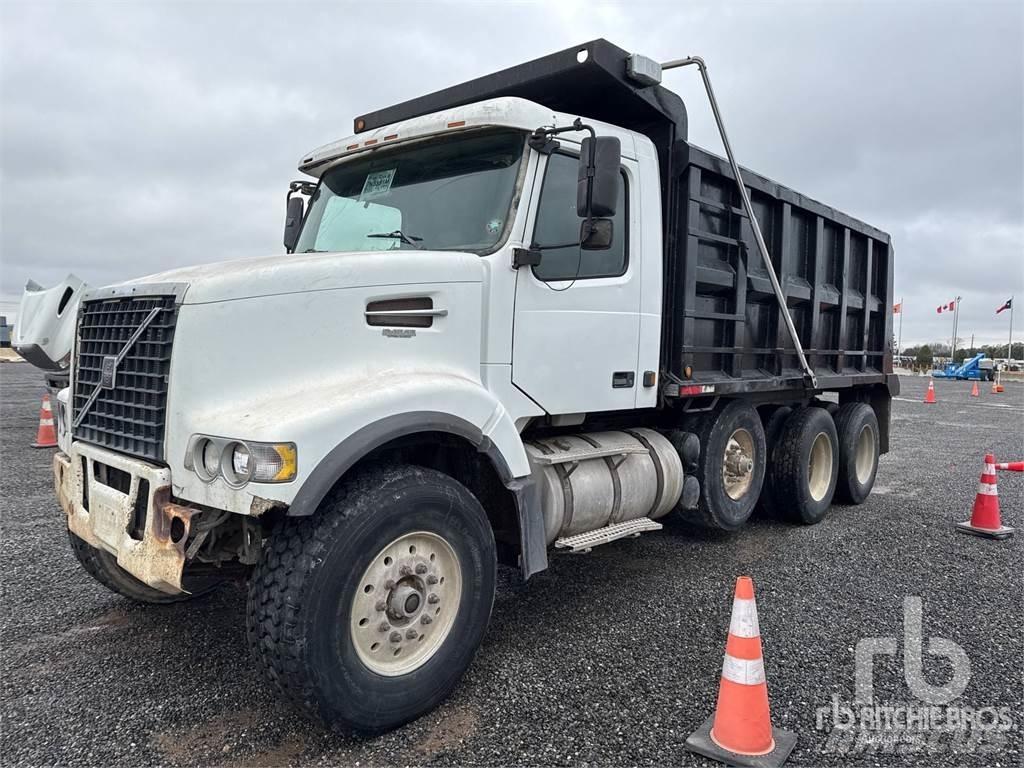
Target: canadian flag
{"points": [[946, 307]]}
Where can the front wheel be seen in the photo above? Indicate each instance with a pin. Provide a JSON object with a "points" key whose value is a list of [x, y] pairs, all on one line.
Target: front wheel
{"points": [[368, 613], [103, 567]]}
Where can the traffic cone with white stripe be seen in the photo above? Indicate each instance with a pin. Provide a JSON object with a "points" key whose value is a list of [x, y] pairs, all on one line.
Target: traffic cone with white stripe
{"points": [[1011, 466], [985, 515], [740, 731], [46, 435], [929, 396]]}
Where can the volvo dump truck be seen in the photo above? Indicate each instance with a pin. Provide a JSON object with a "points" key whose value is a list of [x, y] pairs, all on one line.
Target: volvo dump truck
{"points": [[516, 317]]}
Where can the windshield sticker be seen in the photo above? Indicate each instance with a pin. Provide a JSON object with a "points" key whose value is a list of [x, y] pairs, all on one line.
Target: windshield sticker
{"points": [[494, 226], [377, 184]]}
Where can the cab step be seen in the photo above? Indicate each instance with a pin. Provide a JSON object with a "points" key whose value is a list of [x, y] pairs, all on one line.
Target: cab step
{"points": [[582, 543]]}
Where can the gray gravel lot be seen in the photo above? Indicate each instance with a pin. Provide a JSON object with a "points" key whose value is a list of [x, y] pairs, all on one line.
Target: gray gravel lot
{"points": [[607, 659]]}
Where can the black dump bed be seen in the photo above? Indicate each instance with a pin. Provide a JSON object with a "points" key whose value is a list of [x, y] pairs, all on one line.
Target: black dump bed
{"points": [[722, 322]]}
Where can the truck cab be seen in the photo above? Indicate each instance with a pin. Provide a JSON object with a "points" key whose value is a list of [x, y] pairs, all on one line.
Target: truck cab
{"points": [[501, 329]]}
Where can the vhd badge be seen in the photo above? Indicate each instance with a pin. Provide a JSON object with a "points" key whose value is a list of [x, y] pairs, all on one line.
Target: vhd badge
{"points": [[108, 372]]}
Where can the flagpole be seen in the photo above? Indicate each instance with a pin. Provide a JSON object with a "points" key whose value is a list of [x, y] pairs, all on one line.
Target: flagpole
{"points": [[899, 341], [956, 315], [1009, 347]]}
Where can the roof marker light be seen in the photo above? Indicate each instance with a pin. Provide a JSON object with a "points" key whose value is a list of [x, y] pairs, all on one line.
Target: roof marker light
{"points": [[457, 124], [392, 136], [360, 125], [352, 146], [369, 142]]}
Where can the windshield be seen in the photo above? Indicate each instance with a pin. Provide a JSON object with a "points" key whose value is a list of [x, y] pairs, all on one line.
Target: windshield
{"points": [[454, 194]]}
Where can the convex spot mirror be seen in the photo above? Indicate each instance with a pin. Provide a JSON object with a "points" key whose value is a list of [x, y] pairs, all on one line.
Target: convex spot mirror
{"points": [[596, 234], [597, 194]]}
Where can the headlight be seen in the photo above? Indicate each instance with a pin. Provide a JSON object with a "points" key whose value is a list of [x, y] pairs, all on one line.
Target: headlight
{"points": [[239, 461]]}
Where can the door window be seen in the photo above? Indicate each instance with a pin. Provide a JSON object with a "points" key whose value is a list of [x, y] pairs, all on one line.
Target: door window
{"points": [[557, 223]]}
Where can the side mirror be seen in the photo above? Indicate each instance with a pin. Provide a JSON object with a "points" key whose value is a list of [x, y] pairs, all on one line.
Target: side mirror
{"points": [[597, 186], [293, 221], [596, 234]]}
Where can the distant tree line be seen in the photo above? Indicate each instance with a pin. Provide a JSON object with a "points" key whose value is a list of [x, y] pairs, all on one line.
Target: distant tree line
{"points": [[925, 354]]}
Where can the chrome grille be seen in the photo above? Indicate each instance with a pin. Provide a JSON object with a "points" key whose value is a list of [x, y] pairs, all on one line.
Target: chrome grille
{"points": [[128, 414]]}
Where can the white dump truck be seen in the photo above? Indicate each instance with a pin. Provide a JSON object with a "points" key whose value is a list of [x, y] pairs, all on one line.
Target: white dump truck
{"points": [[516, 317]]}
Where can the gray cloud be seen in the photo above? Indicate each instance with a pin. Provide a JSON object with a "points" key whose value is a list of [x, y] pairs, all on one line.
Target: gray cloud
{"points": [[135, 138]]}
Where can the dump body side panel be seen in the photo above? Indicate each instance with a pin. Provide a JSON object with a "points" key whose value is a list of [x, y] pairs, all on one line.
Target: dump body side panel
{"points": [[723, 321]]}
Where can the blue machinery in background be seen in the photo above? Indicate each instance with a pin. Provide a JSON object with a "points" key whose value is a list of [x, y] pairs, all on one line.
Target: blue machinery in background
{"points": [[971, 370]]}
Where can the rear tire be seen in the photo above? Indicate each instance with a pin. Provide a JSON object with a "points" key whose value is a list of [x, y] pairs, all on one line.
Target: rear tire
{"points": [[767, 503], [805, 466], [857, 428], [103, 567], [340, 600], [731, 467]]}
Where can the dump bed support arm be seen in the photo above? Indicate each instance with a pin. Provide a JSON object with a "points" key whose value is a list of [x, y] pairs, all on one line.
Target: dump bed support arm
{"points": [[699, 62]]}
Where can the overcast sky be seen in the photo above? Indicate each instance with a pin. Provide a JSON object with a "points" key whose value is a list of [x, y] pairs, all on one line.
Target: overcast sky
{"points": [[138, 137]]}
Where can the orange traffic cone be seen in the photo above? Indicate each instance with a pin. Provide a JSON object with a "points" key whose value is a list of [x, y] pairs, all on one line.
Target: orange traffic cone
{"points": [[1012, 466], [995, 387], [929, 396], [999, 389], [46, 435], [974, 390], [740, 731], [985, 515]]}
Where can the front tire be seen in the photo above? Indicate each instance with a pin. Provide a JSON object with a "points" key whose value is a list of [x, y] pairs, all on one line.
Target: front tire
{"points": [[805, 466], [103, 567], [368, 613]]}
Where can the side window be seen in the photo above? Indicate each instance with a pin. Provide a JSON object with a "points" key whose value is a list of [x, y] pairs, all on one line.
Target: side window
{"points": [[557, 223]]}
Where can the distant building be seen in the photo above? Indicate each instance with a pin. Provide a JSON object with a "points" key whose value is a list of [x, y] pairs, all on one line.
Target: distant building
{"points": [[5, 332]]}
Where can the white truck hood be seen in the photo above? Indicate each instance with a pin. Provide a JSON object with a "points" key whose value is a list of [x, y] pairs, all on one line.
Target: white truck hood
{"points": [[307, 272]]}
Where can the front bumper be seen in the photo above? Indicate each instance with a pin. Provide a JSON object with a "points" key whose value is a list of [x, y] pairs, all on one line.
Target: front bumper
{"points": [[123, 505]]}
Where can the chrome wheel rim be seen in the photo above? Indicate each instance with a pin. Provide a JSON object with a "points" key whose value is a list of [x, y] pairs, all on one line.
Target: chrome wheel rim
{"points": [[406, 603], [738, 464], [819, 468], [864, 459]]}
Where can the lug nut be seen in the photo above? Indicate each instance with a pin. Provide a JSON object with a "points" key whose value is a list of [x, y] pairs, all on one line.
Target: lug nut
{"points": [[421, 568], [396, 637], [389, 584], [381, 605], [433, 599], [384, 626], [424, 619], [410, 634], [405, 570], [431, 579]]}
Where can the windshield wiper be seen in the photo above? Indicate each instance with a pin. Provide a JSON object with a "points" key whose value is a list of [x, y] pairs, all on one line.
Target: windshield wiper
{"points": [[400, 235]]}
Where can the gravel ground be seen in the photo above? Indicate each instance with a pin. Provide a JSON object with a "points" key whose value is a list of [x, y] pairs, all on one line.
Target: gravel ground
{"points": [[608, 659]]}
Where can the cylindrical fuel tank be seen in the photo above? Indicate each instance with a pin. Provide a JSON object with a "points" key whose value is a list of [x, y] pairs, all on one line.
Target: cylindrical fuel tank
{"points": [[592, 480]]}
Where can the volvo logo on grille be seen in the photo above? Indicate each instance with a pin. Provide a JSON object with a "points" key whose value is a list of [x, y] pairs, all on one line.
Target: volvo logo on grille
{"points": [[108, 372]]}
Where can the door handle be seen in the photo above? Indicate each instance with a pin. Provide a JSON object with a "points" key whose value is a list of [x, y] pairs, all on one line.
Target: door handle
{"points": [[622, 379]]}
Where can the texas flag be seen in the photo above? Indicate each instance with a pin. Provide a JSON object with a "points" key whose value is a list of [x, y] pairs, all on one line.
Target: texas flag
{"points": [[946, 307], [1007, 305]]}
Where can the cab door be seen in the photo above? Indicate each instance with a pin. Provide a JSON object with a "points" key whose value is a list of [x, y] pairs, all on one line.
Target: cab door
{"points": [[577, 313]]}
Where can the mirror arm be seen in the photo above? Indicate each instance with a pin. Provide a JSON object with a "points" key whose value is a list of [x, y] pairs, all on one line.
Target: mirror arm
{"points": [[540, 140]]}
